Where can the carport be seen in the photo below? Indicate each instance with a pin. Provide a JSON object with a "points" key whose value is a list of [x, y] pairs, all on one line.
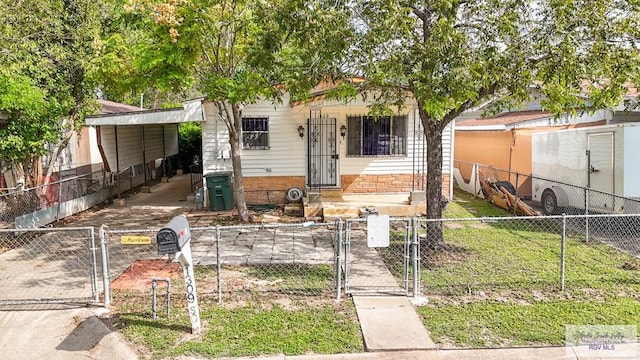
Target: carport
{"points": [[135, 145]]}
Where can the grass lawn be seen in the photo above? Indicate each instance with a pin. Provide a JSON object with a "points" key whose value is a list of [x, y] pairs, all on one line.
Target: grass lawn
{"points": [[266, 310], [499, 284]]}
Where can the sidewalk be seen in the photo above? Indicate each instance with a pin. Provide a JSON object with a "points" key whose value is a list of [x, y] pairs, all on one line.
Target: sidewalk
{"points": [[58, 332], [542, 353]]}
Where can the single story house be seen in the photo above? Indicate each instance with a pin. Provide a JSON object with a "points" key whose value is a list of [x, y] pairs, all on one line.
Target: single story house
{"points": [[324, 145]]}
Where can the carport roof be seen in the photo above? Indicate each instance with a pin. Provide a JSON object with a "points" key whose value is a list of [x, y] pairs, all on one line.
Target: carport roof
{"points": [[191, 111]]}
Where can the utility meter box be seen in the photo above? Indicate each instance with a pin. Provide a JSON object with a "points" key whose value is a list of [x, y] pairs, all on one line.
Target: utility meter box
{"points": [[174, 236]]}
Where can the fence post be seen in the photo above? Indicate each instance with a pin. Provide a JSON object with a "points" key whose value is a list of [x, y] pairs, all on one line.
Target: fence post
{"points": [[586, 212], [347, 250], [106, 280], [515, 205], [474, 170], [414, 254], [218, 264], [339, 228], [94, 266], [59, 200], [563, 242]]}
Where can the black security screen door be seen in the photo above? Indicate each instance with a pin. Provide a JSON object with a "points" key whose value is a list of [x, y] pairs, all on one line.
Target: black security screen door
{"points": [[322, 150]]}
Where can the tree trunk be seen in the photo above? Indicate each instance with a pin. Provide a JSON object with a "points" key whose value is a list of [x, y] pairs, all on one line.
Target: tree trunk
{"points": [[433, 133], [236, 161]]}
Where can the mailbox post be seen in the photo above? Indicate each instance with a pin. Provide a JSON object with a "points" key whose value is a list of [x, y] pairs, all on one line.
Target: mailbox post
{"points": [[175, 239]]}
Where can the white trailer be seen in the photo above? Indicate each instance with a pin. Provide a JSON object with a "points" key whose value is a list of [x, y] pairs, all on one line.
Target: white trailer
{"points": [[604, 159]]}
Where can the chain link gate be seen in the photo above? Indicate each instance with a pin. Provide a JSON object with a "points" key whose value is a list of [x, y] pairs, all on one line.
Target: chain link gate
{"points": [[48, 266], [382, 270]]}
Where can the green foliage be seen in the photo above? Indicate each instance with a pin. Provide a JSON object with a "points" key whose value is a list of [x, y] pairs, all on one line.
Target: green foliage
{"points": [[451, 56], [190, 145], [136, 57], [45, 45]]}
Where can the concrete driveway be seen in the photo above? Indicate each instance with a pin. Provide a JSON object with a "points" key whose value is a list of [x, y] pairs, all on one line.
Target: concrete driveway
{"points": [[53, 332]]}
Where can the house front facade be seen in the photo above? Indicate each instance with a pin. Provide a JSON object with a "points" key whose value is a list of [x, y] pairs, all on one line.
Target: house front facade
{"points": [[322, 145]]}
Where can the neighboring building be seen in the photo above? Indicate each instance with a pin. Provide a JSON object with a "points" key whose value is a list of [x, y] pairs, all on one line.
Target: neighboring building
{"points": [[134, 144], [324, 145], [82, 154], [504, 141]]}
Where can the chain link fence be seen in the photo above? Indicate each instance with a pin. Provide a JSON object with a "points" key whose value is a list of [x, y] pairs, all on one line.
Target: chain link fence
{"points": [[387, 269], [233, 264], [513, 258], [445, 257], [43, 204], [49, 265], [513, 191]]}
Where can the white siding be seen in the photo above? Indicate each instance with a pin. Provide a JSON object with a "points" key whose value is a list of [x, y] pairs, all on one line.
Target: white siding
{"points": [[216, 153], [626, 163], [129, 146], [153, 142], [286, 155], [447, 148], [171, 139], [108, 137]]}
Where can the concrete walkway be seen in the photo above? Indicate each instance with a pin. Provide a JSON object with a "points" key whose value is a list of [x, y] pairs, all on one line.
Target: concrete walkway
{"points": [[387, 322], [391, 323]]}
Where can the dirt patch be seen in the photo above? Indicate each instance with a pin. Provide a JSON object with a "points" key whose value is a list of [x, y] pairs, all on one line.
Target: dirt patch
{"points": [[451, 255], [632, 265], [138, 276]]}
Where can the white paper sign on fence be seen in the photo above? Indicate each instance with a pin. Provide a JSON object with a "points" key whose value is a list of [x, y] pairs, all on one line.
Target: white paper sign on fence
{"points": [[378, 231]]}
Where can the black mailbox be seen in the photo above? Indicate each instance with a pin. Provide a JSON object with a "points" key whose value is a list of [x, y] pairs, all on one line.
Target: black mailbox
{"points": [[173, 236]]}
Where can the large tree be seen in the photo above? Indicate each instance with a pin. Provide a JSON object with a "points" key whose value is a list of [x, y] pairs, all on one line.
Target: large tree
{"points": [[454, 55], [136, 61], [249, 50], [45, 48]]}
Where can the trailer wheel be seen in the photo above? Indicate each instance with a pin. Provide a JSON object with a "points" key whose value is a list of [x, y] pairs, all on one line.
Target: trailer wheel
{"points": [[549, 202]]}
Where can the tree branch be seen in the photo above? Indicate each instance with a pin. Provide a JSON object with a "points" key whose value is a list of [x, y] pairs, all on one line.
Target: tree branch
{"points": [[484, 92]]}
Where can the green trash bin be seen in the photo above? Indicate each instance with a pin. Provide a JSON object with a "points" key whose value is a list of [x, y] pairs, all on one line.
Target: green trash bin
{"points": [[220, 190]]}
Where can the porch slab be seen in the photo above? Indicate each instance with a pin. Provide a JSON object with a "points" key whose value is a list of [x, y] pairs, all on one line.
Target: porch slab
{"points": [[385, 204]]}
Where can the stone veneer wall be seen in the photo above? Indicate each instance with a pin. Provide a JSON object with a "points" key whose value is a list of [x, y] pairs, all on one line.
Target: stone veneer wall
{"points": [[388, 183], [270, 189], [273, 189]]}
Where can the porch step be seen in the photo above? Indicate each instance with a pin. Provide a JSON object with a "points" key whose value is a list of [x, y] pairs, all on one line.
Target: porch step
{"points": [[333, 211], [294, 210], [312, 210], [331, 195]]}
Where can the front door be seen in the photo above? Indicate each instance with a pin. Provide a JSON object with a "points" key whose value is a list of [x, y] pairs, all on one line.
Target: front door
{"points": [[322, 150]]}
